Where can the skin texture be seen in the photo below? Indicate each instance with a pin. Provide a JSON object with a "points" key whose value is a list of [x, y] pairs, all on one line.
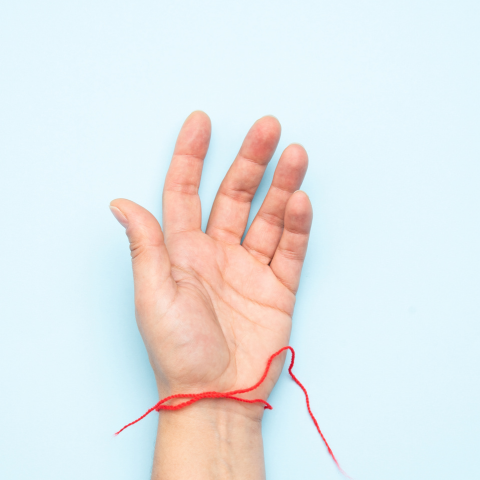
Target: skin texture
{"points": [[210, 308]]}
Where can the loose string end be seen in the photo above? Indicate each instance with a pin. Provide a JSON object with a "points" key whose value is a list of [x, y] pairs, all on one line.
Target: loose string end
{"points": [[150, 410]]}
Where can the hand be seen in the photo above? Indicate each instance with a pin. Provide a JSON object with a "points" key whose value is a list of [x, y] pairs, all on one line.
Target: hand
{"points": [[211, 308]]}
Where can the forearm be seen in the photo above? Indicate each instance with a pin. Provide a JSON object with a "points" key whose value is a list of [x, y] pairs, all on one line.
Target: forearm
{"points": [[210, 440]]}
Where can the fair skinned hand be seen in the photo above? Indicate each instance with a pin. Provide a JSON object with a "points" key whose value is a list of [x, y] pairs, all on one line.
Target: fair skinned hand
{"points": [[211, 309]]}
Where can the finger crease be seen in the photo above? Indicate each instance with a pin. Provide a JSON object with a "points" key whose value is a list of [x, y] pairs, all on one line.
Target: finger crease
{"points": [[236, 235], [186, 188], [271, 219], [296, 232], [286, 190], [188, 155], [250, 250], [252, 160], [290, 254], [240, 196]]}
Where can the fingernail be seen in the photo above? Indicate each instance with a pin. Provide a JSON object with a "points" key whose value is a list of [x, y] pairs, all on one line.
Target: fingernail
{"points": [[122, 219]]}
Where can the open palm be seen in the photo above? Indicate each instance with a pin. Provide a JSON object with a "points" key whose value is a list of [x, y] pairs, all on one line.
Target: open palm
{"points": [[212, 309]]}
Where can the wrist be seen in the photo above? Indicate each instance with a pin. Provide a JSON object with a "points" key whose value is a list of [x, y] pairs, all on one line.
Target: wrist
{"points": [[213, 438]]}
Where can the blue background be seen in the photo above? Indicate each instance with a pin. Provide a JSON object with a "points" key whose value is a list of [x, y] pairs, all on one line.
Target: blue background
{"points": [[385, 98]]}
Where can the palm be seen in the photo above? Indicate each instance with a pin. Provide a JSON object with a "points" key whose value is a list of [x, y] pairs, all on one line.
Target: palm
{"points": [[210, 309], [236, 313]]}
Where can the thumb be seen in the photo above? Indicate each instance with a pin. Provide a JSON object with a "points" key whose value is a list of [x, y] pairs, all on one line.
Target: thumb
{"points": [[154, 285]]}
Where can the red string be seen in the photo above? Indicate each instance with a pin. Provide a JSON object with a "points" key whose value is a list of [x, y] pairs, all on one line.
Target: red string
{"points": [[195, 397]]}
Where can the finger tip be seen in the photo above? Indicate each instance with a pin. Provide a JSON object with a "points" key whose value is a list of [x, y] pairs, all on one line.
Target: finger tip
{"points": [[301, 194], [127, 207], [114, 203], [273, 118], [120, 202], [272, 121], [296, 156], [265, 133], [119, 215], [299, 149], [194, 136], [269, 125], [199, 116], [299, 208]]}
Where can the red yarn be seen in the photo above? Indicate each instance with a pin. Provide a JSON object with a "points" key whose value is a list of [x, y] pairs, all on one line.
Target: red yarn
{"points": [[195, 397]]}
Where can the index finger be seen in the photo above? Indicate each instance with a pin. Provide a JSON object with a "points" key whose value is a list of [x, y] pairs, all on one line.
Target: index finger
{"points": [[181, 202]]}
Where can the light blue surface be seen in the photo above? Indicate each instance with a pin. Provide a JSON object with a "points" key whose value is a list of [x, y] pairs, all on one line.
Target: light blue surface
{"points": [[385, 98]]}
